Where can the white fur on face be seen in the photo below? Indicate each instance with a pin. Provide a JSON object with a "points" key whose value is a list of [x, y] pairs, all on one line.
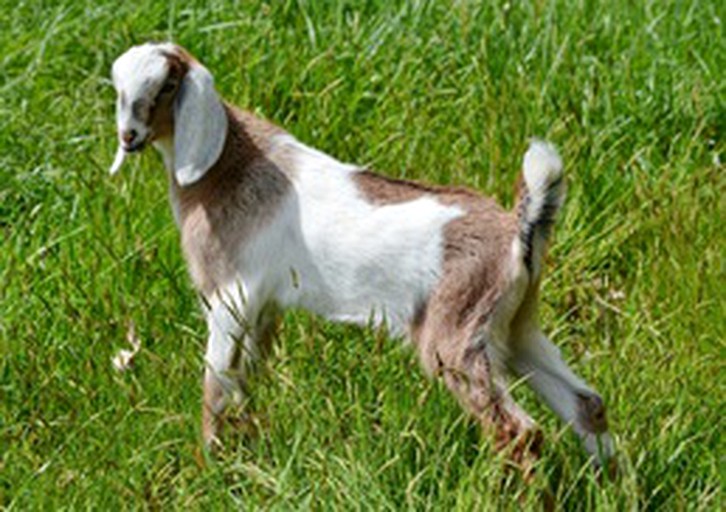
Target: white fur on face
{"points": [[138, 76]]}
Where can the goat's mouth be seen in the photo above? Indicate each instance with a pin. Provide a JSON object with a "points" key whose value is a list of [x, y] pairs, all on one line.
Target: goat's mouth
{"points": [[125, 149], [135, 147]]}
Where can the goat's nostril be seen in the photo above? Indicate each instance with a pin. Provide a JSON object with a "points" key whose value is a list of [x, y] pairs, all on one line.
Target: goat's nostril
{"points": [[128, 136]]}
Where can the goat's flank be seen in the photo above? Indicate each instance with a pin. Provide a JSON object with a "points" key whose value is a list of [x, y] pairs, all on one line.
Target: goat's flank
{"points": [[267, 223]]}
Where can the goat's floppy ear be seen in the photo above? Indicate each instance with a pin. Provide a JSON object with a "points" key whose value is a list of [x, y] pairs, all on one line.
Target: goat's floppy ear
{"points": [[200, 126]]}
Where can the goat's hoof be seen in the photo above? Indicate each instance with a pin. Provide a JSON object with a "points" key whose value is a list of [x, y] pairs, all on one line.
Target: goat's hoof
{"points": [[523, 451], [213, 445]]}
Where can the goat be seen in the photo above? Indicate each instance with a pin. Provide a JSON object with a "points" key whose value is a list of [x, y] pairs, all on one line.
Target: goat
{"points": [[267, 222]]}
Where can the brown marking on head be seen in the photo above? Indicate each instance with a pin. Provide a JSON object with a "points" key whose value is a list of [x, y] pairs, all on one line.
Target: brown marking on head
{"points": [[161, 115], [258, 131]]}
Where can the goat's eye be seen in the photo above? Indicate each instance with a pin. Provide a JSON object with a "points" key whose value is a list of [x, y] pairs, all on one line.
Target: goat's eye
{"points": [[167, 88]]}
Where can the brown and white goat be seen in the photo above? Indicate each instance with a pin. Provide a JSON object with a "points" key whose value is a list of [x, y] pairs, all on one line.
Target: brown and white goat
{"points": [[267, 223]]}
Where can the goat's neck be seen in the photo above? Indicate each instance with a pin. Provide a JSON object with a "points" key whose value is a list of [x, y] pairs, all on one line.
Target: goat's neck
{"points": [[165, 146]]}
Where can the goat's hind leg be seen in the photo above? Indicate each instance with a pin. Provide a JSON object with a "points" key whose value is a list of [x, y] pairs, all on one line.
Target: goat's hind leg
{"points": [[538, 360], [486, 394], [481, 389]]}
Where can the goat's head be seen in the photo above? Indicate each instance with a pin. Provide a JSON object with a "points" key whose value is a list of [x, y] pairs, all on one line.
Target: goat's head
{"points": [[164, 93]]}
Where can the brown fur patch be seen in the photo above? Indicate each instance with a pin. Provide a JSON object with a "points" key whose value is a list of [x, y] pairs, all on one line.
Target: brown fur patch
{"points": [[161, 118], [236, 197], [591, 413]]}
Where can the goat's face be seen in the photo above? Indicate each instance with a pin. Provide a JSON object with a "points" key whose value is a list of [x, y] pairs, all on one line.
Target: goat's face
{"points": [[146, 79], [164, 93]]}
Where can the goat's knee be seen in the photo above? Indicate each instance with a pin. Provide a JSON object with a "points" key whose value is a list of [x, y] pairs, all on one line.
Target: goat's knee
{"points": [[592, 426], [591, 413], [214, 402]]}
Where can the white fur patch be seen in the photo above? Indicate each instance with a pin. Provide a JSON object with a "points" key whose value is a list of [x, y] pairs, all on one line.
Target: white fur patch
{"points": [[332, 252], [542, 166]]}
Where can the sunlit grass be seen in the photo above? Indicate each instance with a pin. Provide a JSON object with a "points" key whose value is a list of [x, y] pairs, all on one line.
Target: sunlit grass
{"points": [[632, 94]]}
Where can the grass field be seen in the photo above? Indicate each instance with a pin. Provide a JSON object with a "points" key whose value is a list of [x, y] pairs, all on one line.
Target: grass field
{"points": [[632, 93]]}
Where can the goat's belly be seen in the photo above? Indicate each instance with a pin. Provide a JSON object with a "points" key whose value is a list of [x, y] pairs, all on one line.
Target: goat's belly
{"points": [[377, 267], [372, 295], [379, 276]]}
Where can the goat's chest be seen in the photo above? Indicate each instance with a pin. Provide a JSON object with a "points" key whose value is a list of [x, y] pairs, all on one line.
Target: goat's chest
{"points": [[211, 241]]}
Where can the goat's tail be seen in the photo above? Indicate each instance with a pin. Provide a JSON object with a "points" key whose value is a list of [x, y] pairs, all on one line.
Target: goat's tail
{"points": [[540, 198]]}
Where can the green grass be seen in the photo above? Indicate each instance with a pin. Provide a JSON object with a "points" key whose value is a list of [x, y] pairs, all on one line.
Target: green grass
{"points": [[631, 92]]}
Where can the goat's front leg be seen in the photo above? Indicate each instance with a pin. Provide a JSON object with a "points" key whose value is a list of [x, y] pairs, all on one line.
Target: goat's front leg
{"points": [[234, 333]]}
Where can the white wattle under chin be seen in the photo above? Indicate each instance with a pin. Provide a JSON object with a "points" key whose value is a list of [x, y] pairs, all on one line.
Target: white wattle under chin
{"points": [[118, 160]]}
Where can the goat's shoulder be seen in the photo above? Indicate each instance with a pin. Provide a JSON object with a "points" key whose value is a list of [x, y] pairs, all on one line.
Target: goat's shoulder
{"points": [[260, 133], [245, 177]]}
